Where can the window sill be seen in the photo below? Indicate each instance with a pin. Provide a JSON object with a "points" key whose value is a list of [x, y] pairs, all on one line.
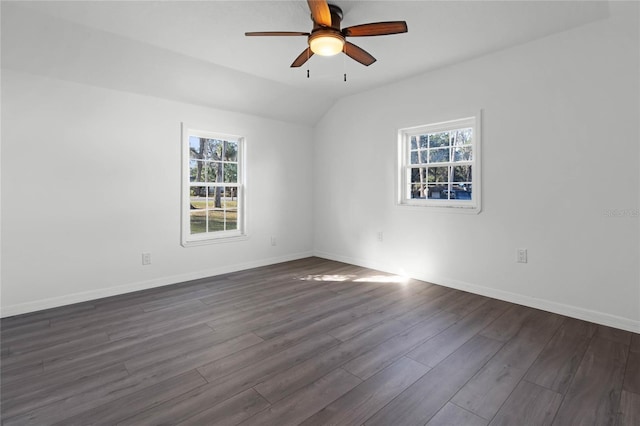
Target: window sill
{"points": [[440, 208], [216, 240]]}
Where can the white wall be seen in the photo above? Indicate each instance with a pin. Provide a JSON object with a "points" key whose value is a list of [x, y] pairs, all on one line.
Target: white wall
{"points": [[91, 179], [560, 150]]}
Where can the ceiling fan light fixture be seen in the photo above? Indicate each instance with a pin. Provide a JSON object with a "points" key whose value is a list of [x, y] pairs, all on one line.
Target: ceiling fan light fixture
{"points": [[327, 38], [326, 43]]}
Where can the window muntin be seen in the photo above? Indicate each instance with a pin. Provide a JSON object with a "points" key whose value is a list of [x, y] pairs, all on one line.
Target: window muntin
{"points": [[439, 165], [213, 199]]}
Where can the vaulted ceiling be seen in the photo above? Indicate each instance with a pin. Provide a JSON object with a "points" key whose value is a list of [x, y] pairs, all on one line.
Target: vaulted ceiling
{"points": [[196, 51]]}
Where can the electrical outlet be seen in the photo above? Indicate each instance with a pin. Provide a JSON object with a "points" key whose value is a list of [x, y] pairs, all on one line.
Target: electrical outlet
{"points": [[521, 255], [146, 258], [273, 241], [380, 236]]}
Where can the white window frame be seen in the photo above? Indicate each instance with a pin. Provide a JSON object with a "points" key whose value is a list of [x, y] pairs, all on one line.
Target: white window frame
{"points": [[188, 239], [404, 165]]}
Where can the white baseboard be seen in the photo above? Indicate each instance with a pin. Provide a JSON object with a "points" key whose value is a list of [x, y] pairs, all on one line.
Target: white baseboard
{"points": [[86, 296], [532, 302]]}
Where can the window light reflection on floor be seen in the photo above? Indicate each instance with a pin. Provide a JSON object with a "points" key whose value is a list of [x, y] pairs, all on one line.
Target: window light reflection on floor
{"points": [[383, 279], [393, 279], [328, 277]]}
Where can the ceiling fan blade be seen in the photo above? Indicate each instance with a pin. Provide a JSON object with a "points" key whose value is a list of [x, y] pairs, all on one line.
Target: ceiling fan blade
{"points": [[375, 29], [358, 54], [276, 33], [302, 58], [320, 12]]}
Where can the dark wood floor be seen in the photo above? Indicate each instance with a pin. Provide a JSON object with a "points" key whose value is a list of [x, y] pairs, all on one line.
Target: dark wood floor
{"points": [[314, 342]]}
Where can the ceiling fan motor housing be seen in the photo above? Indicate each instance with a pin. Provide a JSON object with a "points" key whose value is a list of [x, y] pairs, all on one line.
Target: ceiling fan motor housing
{"points": [[328, 41]]}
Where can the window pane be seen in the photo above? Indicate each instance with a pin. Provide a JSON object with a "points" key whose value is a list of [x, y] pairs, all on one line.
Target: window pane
{"points": [[212, 191], [414, 142], [439, 139], [440, 155], [418, 190], [211, 171], [414, 157], [418, 174], [214, 197], [463, 193], [213, 149], [230, 151], [462, 174], [216, 220], [198, 221], [424, 157], [230, 197], [424, 141], [463, 153], [462, 137], [211, 202], [195, 148], [448, 194], [214, 171], [436, 191], [441, 192], [438, 174], [198, 197], [231, 217], [197, 172], [231, 172]]}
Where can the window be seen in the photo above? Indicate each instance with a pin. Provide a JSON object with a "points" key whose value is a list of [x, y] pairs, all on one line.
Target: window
{"points": [[213, 190], [439, 165]]}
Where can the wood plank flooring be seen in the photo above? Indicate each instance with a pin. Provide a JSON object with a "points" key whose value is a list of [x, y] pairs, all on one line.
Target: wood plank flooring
{"points": [[314, 342]]}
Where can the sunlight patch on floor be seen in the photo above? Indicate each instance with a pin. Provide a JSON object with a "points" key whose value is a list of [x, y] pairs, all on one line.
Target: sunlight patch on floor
{"points": [[383, 279], [328, 277], [393, 279]]}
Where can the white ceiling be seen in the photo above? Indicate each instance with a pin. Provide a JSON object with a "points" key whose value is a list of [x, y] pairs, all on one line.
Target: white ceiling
{"points": [[196, 51]]}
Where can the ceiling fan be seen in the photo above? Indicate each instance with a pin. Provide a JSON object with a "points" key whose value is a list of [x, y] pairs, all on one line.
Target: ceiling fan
{"points": [[327, 39]]}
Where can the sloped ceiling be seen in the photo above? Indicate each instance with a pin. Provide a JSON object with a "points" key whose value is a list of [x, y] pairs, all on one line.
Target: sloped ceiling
{"points": [[196, 51]]}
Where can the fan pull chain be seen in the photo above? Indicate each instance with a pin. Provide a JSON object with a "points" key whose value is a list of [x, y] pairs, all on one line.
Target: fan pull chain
{"points": [[308, 56], [344, 65], [307, 73]]}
